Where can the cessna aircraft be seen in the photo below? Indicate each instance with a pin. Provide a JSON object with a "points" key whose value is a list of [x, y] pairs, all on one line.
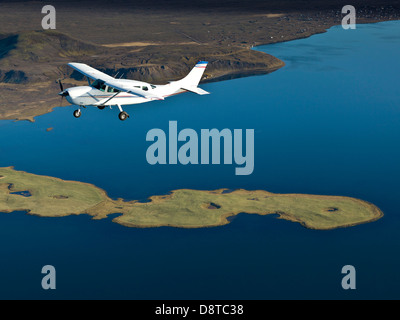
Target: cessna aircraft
{"points": [[104, 90]]}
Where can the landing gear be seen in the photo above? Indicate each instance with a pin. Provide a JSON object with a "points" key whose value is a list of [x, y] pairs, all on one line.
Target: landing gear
{"points": [[101, 107], [77, 113], [123, 116]]}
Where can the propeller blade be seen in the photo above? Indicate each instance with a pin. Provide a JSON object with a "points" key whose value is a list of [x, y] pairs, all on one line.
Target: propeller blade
{"points": [[61, 85]]}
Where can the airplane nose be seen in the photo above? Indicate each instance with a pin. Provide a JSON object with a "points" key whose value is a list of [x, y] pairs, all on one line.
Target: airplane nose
{"points": [[63, 93]]}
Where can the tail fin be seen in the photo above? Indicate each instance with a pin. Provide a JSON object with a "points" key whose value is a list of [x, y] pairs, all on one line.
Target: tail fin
{"points": [[194, 76], [191, 81]]}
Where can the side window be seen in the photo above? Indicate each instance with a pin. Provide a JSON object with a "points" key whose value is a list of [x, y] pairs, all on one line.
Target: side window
{"points": [[112, 90]]}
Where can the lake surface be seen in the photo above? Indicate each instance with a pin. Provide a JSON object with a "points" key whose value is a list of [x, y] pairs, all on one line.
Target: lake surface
{"points": [[327, 123]]}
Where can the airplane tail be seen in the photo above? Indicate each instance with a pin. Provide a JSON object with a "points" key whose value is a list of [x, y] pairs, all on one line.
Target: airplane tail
{"points": [[191, 81]]}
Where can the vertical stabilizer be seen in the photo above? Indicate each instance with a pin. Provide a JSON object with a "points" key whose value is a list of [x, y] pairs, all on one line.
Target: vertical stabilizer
{"points": [[191, 81], [194, 76]]}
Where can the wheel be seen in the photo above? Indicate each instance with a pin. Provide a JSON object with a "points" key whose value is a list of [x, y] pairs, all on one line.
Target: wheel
{"points": [[123, 115], [77, 113], [101, 107]]}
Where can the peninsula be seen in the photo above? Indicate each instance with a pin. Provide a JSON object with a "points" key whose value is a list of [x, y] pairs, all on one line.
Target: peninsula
{"points": [[52, 197]]}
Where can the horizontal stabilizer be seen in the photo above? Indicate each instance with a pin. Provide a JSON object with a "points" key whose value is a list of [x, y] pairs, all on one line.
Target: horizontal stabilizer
{"points": [[195, 90]]}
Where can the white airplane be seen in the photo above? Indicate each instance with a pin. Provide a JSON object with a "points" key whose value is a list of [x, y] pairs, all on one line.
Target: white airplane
{"points": [[104, 90]]}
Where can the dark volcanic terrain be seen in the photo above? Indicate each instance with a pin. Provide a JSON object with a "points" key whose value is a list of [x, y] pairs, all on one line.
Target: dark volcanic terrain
{"points": [[152, 41]]}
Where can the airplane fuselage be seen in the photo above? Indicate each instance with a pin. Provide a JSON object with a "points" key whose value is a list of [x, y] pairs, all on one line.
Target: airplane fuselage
{"points": [[93, 96], [89, 96]]}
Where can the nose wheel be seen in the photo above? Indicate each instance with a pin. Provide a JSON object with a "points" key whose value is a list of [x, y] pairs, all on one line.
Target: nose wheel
{"points": [[77, 113]]}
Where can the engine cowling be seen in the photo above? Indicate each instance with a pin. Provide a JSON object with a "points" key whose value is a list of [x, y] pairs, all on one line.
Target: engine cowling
{"points": [[78, 91]]}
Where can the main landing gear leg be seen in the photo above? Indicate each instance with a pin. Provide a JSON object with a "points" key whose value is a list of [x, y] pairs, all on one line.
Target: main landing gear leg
{"points": [[122, 114]]}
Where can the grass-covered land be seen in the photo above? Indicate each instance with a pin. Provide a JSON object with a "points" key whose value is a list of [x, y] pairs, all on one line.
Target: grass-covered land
{"points": [[52, 197]]}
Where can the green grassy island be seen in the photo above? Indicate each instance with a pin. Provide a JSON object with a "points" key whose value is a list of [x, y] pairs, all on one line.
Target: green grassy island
{"points": [[52, 197]]}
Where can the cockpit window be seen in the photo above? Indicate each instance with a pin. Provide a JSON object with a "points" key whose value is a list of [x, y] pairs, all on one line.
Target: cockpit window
{"points": [[99, 85], [152, 86], [145, 88]]}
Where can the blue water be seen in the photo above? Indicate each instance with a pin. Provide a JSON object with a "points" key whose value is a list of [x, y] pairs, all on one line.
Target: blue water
{"points": [[326, 123]]}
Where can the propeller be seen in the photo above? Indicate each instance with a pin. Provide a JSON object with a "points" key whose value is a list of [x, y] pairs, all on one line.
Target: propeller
{"points": [[62, 93], [61, 85]]}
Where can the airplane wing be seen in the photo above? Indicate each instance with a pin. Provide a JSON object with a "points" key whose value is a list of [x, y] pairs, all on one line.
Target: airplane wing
{"points": [[94, 74], [90, 72]]}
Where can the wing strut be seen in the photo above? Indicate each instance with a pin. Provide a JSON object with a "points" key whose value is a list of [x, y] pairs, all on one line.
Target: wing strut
{"points": [[104, 101]]}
